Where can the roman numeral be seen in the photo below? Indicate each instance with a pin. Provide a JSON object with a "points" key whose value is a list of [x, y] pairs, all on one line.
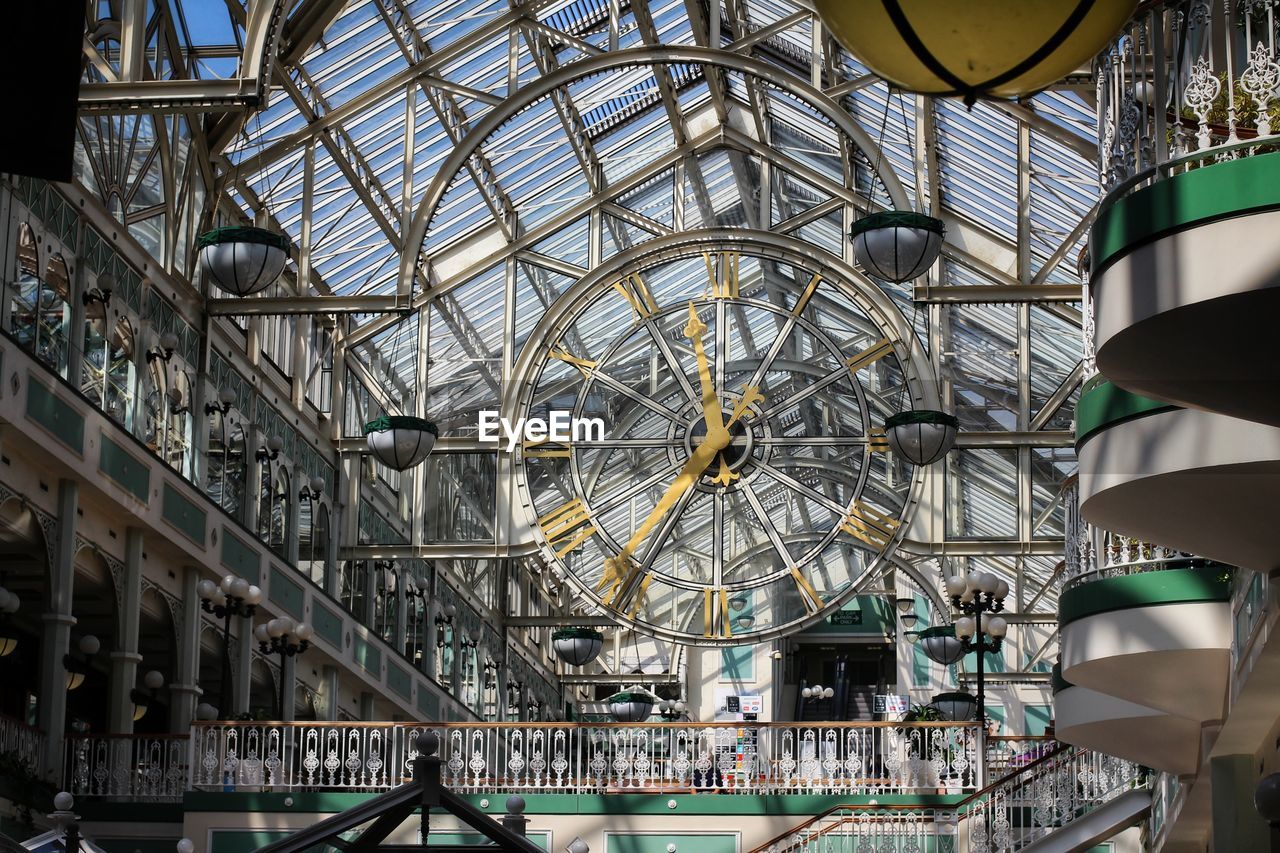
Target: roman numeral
{"points": [[809, 290], [870, 355], [715, 613], [877, 441], [808, 595], [545, 449], [724, 283], [567, 526], [636, 292], [870, 525], [584, 365]]}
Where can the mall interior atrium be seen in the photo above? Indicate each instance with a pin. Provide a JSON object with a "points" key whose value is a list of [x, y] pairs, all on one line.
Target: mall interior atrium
{"points": [[628, 426]]}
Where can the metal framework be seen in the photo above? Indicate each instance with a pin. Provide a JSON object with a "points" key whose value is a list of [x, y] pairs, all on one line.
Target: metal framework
{"points": [[446, 176]]}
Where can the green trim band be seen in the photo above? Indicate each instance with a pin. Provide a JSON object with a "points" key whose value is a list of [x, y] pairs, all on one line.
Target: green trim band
{"points": [[921, 416], [387, 422], [1057, 681], [1210, 582], [1177, 203], [576, 632], [1105, 404], [242, 234], [897, 219], [938, 631]]}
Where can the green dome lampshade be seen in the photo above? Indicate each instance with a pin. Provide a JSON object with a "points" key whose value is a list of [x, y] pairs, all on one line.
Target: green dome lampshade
{"points": [[400, 441], [897, 245], [956, 707], [940, 645], [979, 48], [630, 706], [921, 436], [577, 646], [242, 261]]}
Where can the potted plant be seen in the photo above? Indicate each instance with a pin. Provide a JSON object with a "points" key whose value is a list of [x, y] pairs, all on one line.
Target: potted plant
{"points": [[577, 646]]}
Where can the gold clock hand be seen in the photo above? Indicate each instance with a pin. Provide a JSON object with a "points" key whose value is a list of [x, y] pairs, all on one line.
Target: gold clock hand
{"points": [[711, 411], [699, 461]]}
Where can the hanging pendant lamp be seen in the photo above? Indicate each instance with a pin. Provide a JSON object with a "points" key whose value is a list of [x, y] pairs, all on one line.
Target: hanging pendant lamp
{"points": [[940, 644], [921, 436], [242, 260], [897, 245], [400, 441], [631, 706], [577, 646], [979, 48]]}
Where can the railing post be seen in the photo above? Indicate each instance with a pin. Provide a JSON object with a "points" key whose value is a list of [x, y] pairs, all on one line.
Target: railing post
{"points": [[426, 768], [514, 819]]}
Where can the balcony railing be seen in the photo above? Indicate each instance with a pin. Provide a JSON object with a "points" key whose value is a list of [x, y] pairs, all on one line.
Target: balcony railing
{"points": [[1093, 553], [549, 757], [853, 758], [25, 743], [1061, 786], [1185, 82], [142, 767]]}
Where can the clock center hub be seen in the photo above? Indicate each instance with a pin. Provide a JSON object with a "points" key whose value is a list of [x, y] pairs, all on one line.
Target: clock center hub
{"points": [[741, 443]]}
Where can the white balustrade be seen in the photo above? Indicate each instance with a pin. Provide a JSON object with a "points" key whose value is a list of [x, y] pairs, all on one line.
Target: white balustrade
{"points": [[1031, 802], [1187, 81], [1093, 553], [854, 758], [142, 767], [25, 743]]}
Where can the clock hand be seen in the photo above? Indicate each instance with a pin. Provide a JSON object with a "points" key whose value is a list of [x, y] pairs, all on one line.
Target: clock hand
{"points": [[711, 411], [701, 459]]}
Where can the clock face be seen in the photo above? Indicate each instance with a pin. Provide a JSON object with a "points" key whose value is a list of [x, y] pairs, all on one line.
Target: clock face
{"points": [[736, 484]]}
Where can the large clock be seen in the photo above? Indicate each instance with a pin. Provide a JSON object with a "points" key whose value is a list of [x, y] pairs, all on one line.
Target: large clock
{"points": [[736, 485]]}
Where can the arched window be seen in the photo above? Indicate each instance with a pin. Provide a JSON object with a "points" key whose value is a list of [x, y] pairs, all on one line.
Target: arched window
{"points": [[109, 375], [40, 308], [167, 414], [354, 586], [225, 482], [273, 522], [24, 295]]}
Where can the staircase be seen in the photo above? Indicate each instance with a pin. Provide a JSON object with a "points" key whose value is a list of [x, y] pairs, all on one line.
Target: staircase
{"points": [[1069, 800]]}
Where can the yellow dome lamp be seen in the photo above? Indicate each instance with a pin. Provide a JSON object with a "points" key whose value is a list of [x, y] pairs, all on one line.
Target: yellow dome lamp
{"points": [[979, 48]]}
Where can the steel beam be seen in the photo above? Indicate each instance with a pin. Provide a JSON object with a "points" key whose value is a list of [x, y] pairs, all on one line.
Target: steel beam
{"points": [[970, 294]]}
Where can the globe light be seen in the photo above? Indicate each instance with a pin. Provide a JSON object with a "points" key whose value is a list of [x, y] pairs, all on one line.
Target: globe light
{"points": [[253, 595], [806, 692], [304, 631], [227, 581], [1002, 589], [275, 444], [185, 845], [226, 397], [239, 588], [89, 645], [261, 634], [317, 484], [987, 582], [997, 627], [276, 628], [965, 627], [206, 589], [955, 585], [205, 711], [828, 692], [168, 341], [153, 680], [972, 581]]}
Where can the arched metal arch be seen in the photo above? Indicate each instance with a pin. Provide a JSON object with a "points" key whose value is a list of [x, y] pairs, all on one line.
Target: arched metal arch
{"points": [[545, 86]]}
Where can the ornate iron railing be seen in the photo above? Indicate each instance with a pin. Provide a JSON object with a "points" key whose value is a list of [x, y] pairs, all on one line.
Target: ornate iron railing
{"points": [[25, 743], [1093, 553], [1048, 794], [1010, 753], [136, 767], [1061, 786], [1187, 81], [865, 758]]}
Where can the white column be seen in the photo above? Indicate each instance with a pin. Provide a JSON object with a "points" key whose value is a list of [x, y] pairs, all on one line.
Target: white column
{"points": [[184, 684], [56, 639], [125, 657]]}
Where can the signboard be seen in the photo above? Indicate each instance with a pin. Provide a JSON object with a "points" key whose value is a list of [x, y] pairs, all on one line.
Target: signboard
{"points": [[890, 703], [732, 705], [752, 704], [846, 617]]}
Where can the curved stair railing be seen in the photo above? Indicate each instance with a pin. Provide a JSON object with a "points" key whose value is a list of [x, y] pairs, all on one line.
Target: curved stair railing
{"points": [[1024, 806]]}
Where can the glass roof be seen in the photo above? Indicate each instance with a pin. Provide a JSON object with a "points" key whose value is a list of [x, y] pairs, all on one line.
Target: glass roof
{"points": [[611, 159]]}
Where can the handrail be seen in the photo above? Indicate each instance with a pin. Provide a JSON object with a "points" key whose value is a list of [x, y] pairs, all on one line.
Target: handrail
{"points": [[762, 848], [427, 724]]}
